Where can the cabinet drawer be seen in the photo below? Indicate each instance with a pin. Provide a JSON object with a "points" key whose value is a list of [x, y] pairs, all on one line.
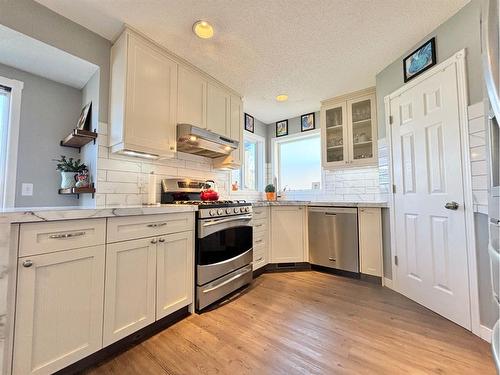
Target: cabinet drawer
{"points": [[260, 225], [260, 213], [41, 238], [259, 257], [133, 227], [260, 239]]}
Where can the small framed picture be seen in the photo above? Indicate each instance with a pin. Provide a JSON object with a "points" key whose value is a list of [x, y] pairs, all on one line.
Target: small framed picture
{"points": [[249, 123], [84, 120], [420, 60], [281, 128], [307, 122]]}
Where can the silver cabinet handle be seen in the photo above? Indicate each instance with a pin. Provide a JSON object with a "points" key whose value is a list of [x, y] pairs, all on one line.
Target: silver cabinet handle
{"points": [[153, 241], [258, 260], [451, 206], [330, 214], [157, 225], [161, 240], [66, 235], [332, 259], [224, 283], [258, 225], [259, 241], [27, 263]]}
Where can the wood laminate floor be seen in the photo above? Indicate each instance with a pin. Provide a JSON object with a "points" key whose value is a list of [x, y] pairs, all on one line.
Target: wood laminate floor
{"points": [[309, 323]]}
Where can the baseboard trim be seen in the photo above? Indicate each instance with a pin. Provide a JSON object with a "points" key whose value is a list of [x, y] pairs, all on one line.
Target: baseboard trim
{"points": [[388, 283], [485, 333]]}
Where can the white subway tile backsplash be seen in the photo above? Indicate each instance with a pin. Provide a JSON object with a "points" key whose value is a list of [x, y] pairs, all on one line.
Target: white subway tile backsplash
{"points": [[478, 153], [119, 165], [118, 188], [477, 139], [477, 124], [119, 176], [479, 168]]}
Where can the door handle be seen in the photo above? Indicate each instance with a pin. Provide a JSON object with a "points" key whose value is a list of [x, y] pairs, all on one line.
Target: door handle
{"points": [[451, 206]]}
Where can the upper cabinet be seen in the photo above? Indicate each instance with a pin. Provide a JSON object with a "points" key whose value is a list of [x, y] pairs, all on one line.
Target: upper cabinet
{"points": [[143, 97], [152, 91], [349, 130], [192, 99], [218, 110]]}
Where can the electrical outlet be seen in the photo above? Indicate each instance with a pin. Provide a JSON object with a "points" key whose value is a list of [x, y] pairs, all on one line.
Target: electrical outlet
{"points": [[26, 190]]}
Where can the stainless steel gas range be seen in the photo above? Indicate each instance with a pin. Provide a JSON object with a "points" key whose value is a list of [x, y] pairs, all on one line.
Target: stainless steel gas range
{"points": [[224, 240]]}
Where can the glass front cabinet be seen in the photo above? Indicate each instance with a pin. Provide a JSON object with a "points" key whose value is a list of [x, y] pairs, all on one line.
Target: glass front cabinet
{"points": [[349, 130]]}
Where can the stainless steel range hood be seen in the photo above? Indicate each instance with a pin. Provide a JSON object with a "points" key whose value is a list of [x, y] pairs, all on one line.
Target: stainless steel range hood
{"points": [[194, 140]]}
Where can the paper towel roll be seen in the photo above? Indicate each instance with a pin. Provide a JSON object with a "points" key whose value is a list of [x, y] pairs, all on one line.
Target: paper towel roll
{"points": [[152, 188]]}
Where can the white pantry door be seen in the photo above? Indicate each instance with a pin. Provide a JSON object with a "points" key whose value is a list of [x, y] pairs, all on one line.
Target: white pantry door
{"points": [[430, 239]]}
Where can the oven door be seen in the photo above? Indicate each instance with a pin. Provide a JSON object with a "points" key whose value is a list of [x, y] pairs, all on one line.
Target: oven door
{"points": [[223, 245]]}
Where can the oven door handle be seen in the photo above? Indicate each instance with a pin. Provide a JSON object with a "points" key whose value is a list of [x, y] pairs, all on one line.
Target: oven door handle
{"points": [[235, 277], [227, 220]]}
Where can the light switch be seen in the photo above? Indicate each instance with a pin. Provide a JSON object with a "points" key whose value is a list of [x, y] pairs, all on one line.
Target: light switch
{"points": [[27, 190]]}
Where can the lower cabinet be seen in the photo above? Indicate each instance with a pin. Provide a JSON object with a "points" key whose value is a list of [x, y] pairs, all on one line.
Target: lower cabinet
{"points": [[130, 288], [288, 234], [370, 241], [174, 273], [59, 309]]}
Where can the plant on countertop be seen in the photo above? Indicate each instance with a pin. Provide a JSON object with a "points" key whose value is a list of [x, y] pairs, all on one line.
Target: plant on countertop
{"points": [[70, 165], [270, 192], [270, 189]]}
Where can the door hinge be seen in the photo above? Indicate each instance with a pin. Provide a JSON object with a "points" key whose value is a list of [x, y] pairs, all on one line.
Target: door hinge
{"points": [[394, 189], [391, 119], [396, 260]]}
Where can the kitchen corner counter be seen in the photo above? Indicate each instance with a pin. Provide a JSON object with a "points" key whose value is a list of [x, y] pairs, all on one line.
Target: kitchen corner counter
{"points": [[321, 204], [37, 214]]}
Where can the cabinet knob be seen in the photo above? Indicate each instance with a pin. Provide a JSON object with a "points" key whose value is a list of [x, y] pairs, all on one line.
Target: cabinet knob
{"points": [[153, 241], [172, 148], [161, 240], [27, 263]]}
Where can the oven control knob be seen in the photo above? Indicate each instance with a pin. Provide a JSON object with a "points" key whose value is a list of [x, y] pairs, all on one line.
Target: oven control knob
{"points": [[244, 209], [211, 212], [220, 211], [236, 210], [228, 210]]}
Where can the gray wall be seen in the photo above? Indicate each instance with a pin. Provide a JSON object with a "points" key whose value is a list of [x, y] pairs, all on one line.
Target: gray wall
{"points": [[460, 31], [39, 22], [49, 110]]}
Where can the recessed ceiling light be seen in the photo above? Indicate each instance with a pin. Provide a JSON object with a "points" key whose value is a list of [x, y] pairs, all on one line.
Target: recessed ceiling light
{"points": [[203, 29], [282, 98]]}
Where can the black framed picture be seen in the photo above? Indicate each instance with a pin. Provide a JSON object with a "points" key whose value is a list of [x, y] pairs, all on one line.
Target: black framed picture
{"points": [[420, 60], [84, 119], [281, 128], [307, 122], [249, 123]]}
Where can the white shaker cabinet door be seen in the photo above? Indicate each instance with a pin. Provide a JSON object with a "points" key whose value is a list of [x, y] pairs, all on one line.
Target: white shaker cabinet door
{"points": [[59, 309], [192, 98], [130, 288], [288, 234], [175, 273], [370, 241], [218, 110]]}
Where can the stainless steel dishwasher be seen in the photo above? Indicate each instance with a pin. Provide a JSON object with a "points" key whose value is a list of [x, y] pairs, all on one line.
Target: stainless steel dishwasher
{"points": [[333, 238]]}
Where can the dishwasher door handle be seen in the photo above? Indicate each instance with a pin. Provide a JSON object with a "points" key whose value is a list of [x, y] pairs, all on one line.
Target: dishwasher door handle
{"points": [[330, 214]]}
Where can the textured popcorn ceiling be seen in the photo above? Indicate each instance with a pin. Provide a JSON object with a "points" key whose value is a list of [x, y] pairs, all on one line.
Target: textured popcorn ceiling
{"points": [[311, 50]]}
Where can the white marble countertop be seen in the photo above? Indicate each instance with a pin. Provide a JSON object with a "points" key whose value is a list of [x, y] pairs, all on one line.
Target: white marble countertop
{"points": [[36, 214], [320, 203]]}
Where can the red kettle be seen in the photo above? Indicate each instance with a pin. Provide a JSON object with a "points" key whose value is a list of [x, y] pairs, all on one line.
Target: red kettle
{"points": [[208, 193]]}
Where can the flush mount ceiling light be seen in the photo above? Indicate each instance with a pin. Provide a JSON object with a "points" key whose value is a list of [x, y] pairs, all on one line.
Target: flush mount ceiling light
{"points": [[282, 98], [203, 29]]}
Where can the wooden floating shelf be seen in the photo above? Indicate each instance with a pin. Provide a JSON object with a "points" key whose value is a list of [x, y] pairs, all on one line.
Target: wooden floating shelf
{"points": [[78, 190], [79, 138]]}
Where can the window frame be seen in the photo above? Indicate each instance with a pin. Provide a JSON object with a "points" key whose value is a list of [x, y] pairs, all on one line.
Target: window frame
{"points": [[275, 156], [260, 162], [9, 191]]}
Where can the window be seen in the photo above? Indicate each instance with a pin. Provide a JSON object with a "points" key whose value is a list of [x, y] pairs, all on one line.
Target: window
{"points": [[298, 162], [251, 174], [10, 106]]}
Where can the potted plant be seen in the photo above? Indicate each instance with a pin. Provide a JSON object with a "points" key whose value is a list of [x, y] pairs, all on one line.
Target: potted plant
{"points": [[270, 192], [69, 168]]}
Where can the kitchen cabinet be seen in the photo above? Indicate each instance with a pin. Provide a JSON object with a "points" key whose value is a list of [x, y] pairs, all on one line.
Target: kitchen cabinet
{"points": [[130, 287], [370, 241], [288, 234], [218, 110], [261, 233], [174, 273], [233, 160], [192, 98], [59, 309], [143, 97], [349, 130]]}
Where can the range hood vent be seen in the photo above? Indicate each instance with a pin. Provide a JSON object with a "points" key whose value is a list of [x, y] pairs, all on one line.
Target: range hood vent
{"points": [[194, 140]]}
